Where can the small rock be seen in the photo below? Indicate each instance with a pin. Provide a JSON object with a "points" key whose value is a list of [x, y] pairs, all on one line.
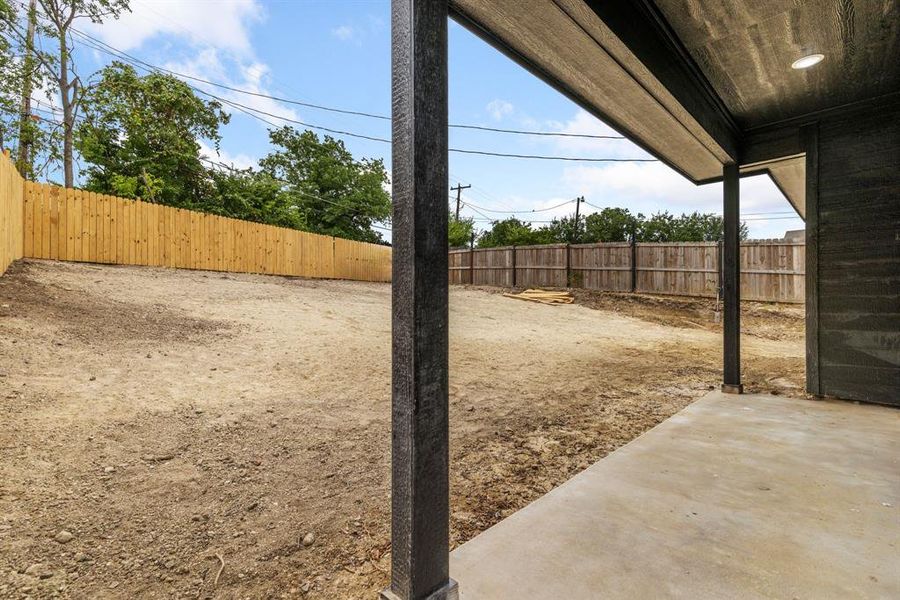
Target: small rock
{"points": [[39, 570], [309, 539], [82, 557], [305, 587], [64, 537], [109, 469], [92, 378], [198, 411]]}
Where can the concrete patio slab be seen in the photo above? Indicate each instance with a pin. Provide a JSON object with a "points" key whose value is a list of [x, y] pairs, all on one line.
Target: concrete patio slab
{"points": [[734, 497]]}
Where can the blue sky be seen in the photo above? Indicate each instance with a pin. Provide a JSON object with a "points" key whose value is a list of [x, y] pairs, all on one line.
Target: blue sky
{"points": [[337, 53]]}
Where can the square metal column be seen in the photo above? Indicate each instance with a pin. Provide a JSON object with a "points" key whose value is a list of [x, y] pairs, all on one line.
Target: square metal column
{"points": [[731, 285], [420, 500]]}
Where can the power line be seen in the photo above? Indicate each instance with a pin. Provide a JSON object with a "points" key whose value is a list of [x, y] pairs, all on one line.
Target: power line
{"points": [[533, 210], [103, 47], [348, 111], [479, 212]]}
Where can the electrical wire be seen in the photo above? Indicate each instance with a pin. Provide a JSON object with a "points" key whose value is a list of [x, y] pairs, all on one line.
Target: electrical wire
{"points": [[134, 61], [342, 110]]}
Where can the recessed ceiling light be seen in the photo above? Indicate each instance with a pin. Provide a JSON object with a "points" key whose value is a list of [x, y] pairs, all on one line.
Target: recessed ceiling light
{"points": [[807, 61]]}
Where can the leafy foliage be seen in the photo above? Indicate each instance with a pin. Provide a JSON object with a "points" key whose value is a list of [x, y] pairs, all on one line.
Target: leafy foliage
{"points": [[335, 193], [460, 231], [55, 22], [609, 225], [253, 196], [513, 232], [20, 73], [140, 137]]}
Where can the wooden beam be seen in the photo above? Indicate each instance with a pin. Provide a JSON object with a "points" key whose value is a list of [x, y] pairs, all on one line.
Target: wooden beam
{"points": [[731, 284], [640, 25], [810, 136], [420, 501]]}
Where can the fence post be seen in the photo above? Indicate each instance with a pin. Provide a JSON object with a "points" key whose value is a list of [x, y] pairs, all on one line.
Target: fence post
{"points": [[472, 260], [633, 264], [568, 265], [719, 270], [514, 266]]}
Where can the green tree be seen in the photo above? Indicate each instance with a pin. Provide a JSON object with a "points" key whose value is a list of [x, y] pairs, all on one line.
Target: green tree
{"points": [[562, 230], [695, 227], [26, 134], [511, 232], [140, 137], [460, 231], [611, 225], [56, 22], [703, 227], [252, 196], [336, 194]]}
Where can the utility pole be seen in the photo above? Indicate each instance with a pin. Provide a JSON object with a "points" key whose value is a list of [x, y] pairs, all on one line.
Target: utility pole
{"points": [[25, 123], [458, 189], [578, 202]]}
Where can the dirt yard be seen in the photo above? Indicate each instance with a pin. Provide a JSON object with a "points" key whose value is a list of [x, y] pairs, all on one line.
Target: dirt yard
{"points": [[178, 434]]}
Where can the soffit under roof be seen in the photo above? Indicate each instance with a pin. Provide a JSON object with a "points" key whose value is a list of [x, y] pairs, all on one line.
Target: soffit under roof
{"points": [[745, 49]]}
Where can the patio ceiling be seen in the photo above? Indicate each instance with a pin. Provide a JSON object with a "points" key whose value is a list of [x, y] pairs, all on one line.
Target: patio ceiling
{"points": [[689, 80], [745, 48]]}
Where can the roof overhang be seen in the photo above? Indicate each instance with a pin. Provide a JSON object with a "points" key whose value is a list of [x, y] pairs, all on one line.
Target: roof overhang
{"points": [[620, 62], [703, 84]]}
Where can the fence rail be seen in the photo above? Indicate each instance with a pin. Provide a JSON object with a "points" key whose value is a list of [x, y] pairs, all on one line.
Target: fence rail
{"points": [[771, 270], [46, 221]]}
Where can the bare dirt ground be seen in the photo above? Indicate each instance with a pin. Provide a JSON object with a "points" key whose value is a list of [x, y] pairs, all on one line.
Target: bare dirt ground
{"points": [[173, 422]]}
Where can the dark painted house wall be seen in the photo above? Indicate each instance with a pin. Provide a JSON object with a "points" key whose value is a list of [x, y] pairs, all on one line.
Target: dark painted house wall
{"points": [[859, 255]]}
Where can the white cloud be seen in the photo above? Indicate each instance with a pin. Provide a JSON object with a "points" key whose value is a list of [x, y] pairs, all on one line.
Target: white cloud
{"points": [[252, 76], [584, 123], [654, 187], [345, 33], [223, 24], [237, 161], [218, 46], [499, 109]]}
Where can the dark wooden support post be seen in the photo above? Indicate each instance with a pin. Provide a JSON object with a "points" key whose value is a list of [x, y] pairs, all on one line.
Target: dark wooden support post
{"points": [[809, 135], [731, 284], [514, 266], [420, 501]]}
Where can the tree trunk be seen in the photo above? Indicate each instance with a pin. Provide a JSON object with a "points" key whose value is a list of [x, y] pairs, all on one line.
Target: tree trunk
{"points": [[68, 112], [25, 126]]}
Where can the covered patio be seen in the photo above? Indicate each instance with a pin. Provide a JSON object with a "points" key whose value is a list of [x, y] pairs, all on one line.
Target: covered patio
{"points": [[764, 497], [807, 93]]}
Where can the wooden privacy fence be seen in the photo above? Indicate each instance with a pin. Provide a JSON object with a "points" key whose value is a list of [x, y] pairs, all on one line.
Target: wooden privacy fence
{"points": [[771, 270], [11, 222], [47, 221]]}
